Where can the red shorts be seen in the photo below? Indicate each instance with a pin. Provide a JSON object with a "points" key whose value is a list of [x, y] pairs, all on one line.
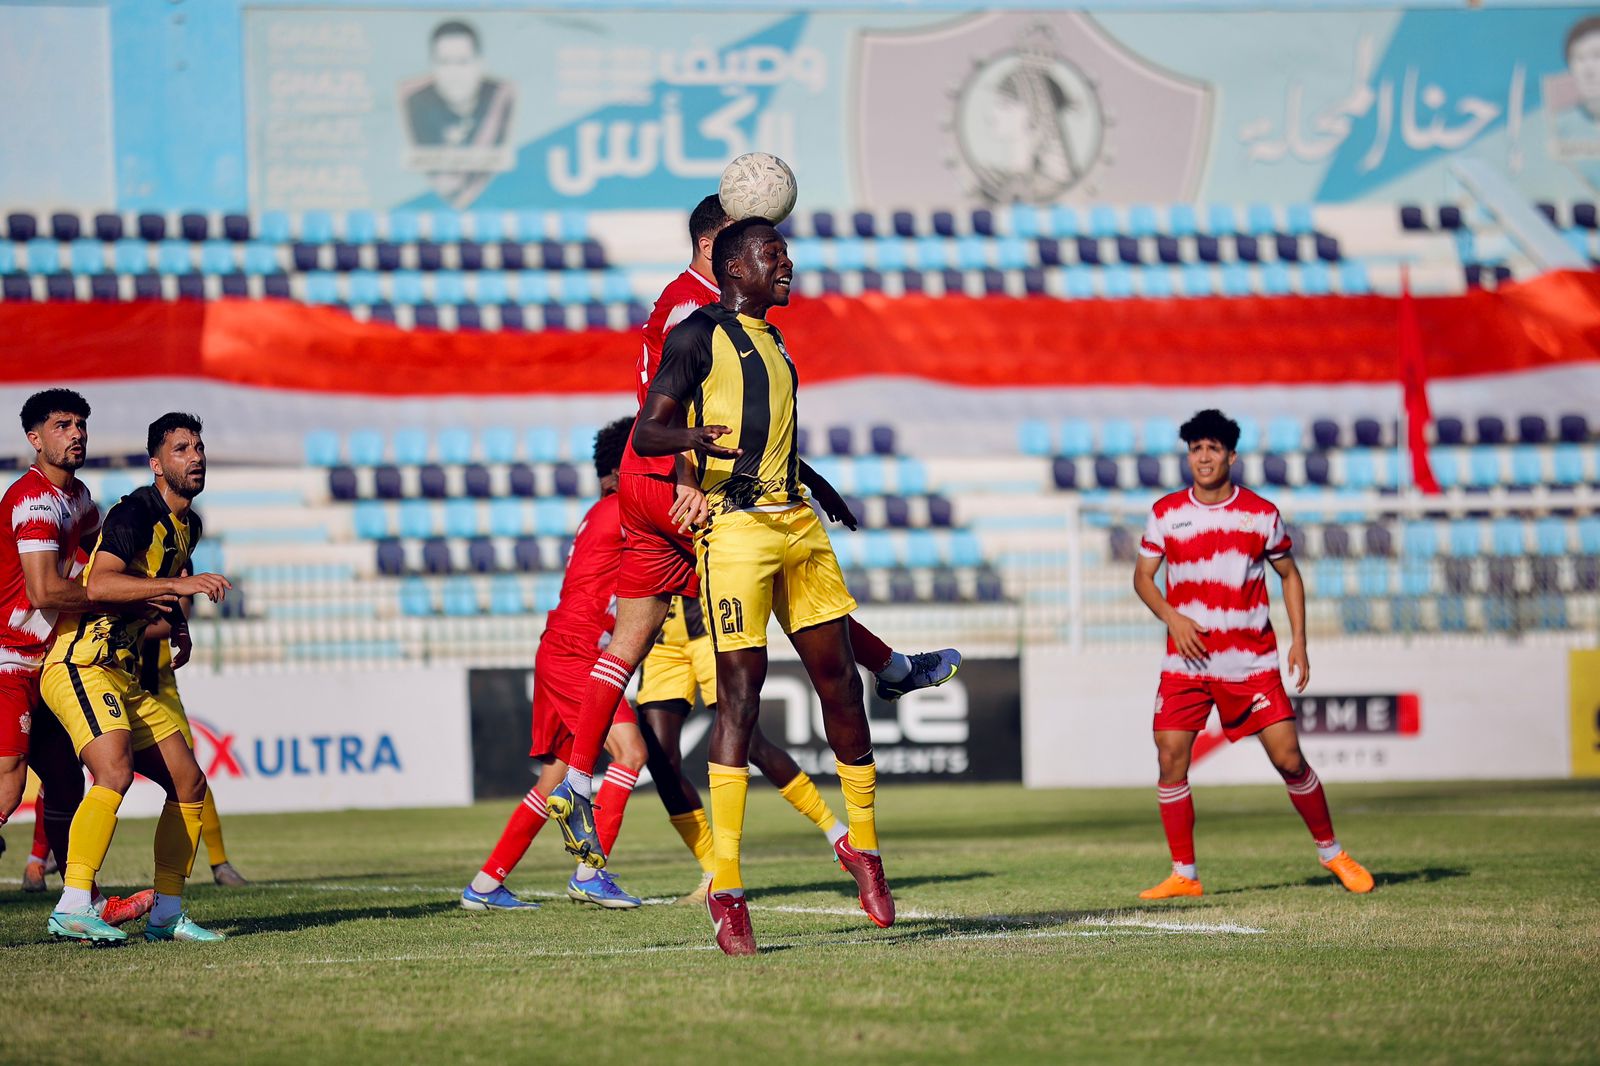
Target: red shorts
{"points": [[1245, 707], [560, 678], [19, 702], [657, 560]]}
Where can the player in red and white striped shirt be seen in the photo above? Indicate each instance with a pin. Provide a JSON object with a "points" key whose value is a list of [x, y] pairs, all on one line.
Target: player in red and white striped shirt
{"points": [[1217, 539]]}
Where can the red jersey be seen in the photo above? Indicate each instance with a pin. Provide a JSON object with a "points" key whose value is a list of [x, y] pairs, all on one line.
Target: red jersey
{"points": [[1217, 576], [42, 518], [588, 608], [686, 294]]}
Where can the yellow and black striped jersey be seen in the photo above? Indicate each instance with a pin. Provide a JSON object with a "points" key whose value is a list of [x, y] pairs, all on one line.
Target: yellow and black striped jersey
{"points": [[685, 622], [728, 369], [141, 530]]}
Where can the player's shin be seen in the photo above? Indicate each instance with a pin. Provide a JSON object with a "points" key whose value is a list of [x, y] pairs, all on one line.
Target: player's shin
{"points": [[695, 830], [729, 785], [872, 652], [1177, 821], [92, 829], [523, 825], [211, 831], [1311, 802], [859, 782], [803, 796], [607, 681], [611, 802], [177, 840]]}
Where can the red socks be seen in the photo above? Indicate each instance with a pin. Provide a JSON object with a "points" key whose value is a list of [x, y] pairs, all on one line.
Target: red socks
{"points": [[1305, 792], [606, 683], [1177, 818], [611, 801], [41, 843], [870, 651], [521, 828]]}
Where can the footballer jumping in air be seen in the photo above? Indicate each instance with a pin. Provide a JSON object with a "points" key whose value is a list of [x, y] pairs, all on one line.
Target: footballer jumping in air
{"points": [[1217, 539]]}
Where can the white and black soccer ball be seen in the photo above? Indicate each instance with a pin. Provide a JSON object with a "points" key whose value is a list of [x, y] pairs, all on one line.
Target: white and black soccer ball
{"points": [[758, 185]]}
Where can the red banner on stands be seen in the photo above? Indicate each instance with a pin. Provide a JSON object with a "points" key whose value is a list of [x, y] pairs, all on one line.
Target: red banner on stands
{"points": [[987, 342], [1414, 380]]}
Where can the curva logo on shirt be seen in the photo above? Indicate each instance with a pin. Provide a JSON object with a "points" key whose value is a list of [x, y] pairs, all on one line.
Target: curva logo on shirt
{"points": [[223, 755]]}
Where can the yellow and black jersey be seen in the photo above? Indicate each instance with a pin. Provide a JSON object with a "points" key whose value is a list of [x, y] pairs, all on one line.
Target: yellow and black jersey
{"points": [[685, 621], [151, 541], [728, 369]]}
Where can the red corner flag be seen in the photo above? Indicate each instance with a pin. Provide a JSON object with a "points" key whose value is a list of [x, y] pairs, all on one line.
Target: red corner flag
{"points": [[1414, 379]]}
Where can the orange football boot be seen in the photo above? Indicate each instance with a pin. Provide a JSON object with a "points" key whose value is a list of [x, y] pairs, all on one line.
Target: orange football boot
{"points": [[1351, 874], [1174, 886]]}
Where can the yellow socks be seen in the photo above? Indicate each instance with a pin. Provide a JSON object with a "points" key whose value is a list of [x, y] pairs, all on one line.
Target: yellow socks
{"points": [[728, 787], [696, 834], [859, 784], [177, 837], [803, 796], [211, 830], [92, 827]]}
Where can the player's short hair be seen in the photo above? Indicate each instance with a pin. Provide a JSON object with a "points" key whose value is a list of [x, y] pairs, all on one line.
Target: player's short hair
{"points": [[730, 243], [608, 446], [1211, 424], [706, 219], [41, 405], [1580, 29], [168, 422], [455, 28]]}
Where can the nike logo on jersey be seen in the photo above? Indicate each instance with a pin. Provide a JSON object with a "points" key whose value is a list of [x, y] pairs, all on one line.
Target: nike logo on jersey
{"points": [[750, 352]]}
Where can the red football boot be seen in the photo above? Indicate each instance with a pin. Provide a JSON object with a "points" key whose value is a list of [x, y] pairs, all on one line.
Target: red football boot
{"points": [[120, 911], [870, 884], [730, 917]]}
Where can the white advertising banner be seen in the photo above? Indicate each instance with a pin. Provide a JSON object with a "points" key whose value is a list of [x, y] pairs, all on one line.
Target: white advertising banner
{"points": [[324, 740], [1371, 713]]}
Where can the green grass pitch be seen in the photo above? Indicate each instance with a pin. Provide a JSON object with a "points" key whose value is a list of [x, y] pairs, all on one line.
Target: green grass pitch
{"points": [[1020, 939]]}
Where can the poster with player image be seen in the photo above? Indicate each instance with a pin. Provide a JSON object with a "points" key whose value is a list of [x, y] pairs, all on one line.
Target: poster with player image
{"points": [[457, 117]]}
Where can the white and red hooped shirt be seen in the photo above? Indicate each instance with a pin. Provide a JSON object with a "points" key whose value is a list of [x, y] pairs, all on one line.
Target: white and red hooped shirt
{"points": [[40, 517]]}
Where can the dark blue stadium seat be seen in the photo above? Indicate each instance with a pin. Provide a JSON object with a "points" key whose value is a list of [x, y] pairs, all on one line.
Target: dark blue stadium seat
{"points": [[1149, 472], [1586, 573], [832, 281], [342, 483], [1167, 250], [391, 557], [307, 256], [60, 287], [194, 227], [1583, 216], [525, 553], [152, 227], [1548, 210], [552, 255], [857, 505], [386, 483], [872, 280], [802, 440], [941, 514], [1502, 577], [65, 226], [480, 556], [1379, 542], [954, 282], [822, 224], [904, 223], [1573, 429], [469, 316], [1336, 542], [1049, 251], [1328, 248], [1128, 250], [104, 287], [911, 280], [983, 222], [990, 588], [1411, 217], [1449, 431], [1064, 472], [426, 316], [1450, 217], [478, 482], [22, 226], [386, 256], [235, 284], [429, 256], [512, 256], [273, 285], [1089, 251], [436, 556], [1458, 576], [433, 483], [1325, 432], [1491, 430], [1472, 273], [191, 287], [346, 257], [1275, 469], [108, 227], [786, 228], [896, 512], [1106, 472], [566, 480], [522, 480], [1316, 468], [902, 588], [1369, 433], [17, 287], [511, 316], [840, 440], [469, 255], [1247, 248], [994, 282], [595, 316], [883, 440], [235, 227], [1033, 281], [1124, 544], [639, 314], [946, 586], [864, 223], [1207, 249], [1288, 248], [1532, 429], [944, 224], [382, 313]]}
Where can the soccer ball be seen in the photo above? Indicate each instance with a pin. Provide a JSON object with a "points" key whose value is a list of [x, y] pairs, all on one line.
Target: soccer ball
{"points": [[758, 185]]}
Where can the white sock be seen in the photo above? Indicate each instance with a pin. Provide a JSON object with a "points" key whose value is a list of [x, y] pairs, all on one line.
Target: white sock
{"points": [[581, 783], [899, 666], [837, 832], [97, 899], [483, 884], [74, 901], [1327, 851], [166, 909], [586, 872], [1185, 869]]}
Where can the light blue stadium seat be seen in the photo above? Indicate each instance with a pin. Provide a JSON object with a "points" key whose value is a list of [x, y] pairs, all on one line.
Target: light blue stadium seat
{"points": [[1077, 438], [1236, 280], [1446, 466], [371, 520], [1249, 434], [1577, 240], [527, 226], [573, 225], [490, 288], [365, 288], [1158, 436], [1197, 280], [507, 517], [1285, 434], [404, 227], [872, 477], [1372, 577], [878, 549], [807, 253], [1155, 282], [571, 287], [911, 476], [322, 448], [1118, 282], [1300, 223], [1116, 437], [846, 550], [550, 518], [505, 595], [487, 226], [365, 447], [849, 253], [445, 227], [1466, 539], [615, 287], [1142, 221], [87, 257], [449, 287], [410, 447], [1103, 221], [1181, 221], [272, 228], [1011, 253], [416, 601], [832, 470], [1483, 467], [460, 597], [1550, 536], [546, 592], [1419, 540], [405, 287], [533, 287], [891, 254], [1033, 438], [964, 548], [922, 549], [1328, 577], [454, 447], [1353, 278], [416, 519], [499, 444], [1508, 538], [8, 257], [1589, 535], [1275, 280], [216, 258], [172, 257], [1393, 473], [1360, 469], [1080, 283], [259, 258], [580, 443], [1416, 576], [360, 227], [1220, 218], [932, 254], [460, 518], [322, 288], [316, 227], [1260, 219], [1567, 465], [1064, 221], [1315, 280], [1025, 222]]}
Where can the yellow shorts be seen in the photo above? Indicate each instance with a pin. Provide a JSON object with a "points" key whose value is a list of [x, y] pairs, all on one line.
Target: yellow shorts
{"points": [[166, 694], [91, 701], [754, 565], [673, 671]]}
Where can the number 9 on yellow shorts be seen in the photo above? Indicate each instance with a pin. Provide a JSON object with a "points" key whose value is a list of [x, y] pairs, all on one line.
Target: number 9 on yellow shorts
{"points": [[754, 565], [91, 701]]}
